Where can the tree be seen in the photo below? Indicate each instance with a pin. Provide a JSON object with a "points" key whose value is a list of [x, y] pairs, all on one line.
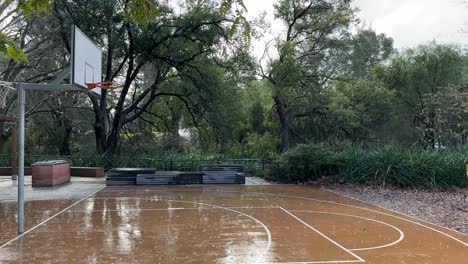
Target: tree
{"points": [[313, 28], [10, 10], [174, 43], [417, 73], [45, 58], [358, 108], [358, 54], [449, 109]]}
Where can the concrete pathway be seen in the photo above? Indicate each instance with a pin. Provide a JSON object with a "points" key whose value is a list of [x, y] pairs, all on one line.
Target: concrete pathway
{"points": [[77, 188]]}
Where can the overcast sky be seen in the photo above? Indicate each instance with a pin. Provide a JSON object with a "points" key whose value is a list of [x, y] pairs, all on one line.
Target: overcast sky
{"points": [[408, 22]]}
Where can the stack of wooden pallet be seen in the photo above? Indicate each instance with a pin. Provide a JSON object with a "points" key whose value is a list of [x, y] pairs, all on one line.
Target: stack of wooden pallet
{"points": [[158, 178], [223, 174], [125, 176], [169, 178], [186, 178], [211, 174]]}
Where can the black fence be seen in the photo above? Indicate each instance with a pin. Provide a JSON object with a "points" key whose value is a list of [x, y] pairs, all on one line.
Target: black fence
{"points": [[252, 166]]}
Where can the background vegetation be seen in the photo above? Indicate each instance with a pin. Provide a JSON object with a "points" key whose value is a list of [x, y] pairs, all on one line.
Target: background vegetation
{"points": [[328, 97]]}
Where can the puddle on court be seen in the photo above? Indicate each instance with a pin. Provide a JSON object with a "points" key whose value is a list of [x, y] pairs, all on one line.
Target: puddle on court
{"points": [[222, 224]]}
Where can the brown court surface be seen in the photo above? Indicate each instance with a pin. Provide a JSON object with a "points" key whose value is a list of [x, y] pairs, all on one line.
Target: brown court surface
{"points": [[222, 224]]}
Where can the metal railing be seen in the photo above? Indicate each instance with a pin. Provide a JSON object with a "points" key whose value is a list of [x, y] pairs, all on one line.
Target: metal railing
{"points": [[252, 166]]}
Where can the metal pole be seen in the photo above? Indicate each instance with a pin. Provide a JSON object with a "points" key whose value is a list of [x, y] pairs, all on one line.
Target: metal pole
{"points": [[14, 154], [21, 118]]}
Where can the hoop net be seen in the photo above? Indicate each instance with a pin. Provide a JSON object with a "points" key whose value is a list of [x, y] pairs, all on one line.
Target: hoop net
{"points": [[5, 88], [104, 85]]}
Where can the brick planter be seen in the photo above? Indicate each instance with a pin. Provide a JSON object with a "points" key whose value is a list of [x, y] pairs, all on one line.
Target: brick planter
{"points": [[50, 173]]}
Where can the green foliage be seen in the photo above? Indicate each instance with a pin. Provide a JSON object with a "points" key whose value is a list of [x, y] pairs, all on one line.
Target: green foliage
{"points": [[412, 167], [257, 145], [310, 162], [10, 50], [359, 107], [142, 12], [188, 66], [357, 54], [34, 7], [298, 74], [240, 21], [447, 110], [408, 167], [417, 74]]}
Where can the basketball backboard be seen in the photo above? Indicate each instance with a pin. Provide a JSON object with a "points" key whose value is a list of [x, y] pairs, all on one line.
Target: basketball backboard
{"points": [[86, 61]]}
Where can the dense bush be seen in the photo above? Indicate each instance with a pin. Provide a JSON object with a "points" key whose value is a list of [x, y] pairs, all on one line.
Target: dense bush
{"points": [[404, 167], [310, 162], [256, 145]]}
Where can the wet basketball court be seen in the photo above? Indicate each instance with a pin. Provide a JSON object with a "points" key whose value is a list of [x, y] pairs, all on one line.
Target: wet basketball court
{"points": [[222, 224]]}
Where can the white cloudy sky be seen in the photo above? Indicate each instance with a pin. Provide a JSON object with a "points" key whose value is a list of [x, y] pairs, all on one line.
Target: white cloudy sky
{"points": [[408, 22]]}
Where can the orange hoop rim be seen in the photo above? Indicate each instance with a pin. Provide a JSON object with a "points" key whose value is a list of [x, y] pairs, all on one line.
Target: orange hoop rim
{"points": [[104, 85]]}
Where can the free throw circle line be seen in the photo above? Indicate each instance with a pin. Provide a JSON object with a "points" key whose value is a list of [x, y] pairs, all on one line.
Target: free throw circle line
{"points": [[267, 231], [358, 207], [402, 235]]}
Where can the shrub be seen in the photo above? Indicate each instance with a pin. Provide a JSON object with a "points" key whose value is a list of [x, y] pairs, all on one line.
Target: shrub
{"points": [[413, 167], [310, 162]]}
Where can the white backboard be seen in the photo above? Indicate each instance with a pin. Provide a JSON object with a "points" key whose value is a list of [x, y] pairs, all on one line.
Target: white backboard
{"points": [[86, 61]]}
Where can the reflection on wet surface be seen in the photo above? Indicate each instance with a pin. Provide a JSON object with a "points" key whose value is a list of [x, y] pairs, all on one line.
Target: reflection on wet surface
{"points": [[222, 224]]}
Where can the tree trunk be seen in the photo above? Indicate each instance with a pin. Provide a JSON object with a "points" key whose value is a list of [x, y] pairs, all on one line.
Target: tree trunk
{"points": [[282, 111], [285, 134], [112, 140], [100, 136], [100, 128], [67, 126]]}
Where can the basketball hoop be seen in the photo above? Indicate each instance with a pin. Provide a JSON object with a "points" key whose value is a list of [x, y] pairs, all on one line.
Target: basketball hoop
{"points": [[5, 88], [104, 85]]}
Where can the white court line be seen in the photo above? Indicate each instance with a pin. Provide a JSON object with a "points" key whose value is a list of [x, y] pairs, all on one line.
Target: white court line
{"points": [[381, 207], [50, 218], [428, 227], [402, 235], [358, 207], [131, 209], [352, 206], [320, 233], [269, 234], [321, 262], [166, 209], [232, 210]]}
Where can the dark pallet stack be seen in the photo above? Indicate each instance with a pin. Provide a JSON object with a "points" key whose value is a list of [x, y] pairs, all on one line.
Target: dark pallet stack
{"points": [[170, 178], [223, 174], [125, 176], [211, 174], [158, 178], [187, 178]]}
